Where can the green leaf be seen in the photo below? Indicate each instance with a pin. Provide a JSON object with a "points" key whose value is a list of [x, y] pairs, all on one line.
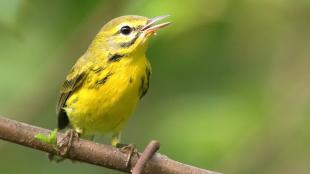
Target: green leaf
{"points": [[50, 139]]}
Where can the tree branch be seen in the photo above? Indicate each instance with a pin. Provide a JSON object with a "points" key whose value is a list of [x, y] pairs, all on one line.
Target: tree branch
{"points": [[147, 154], [91, 152]]}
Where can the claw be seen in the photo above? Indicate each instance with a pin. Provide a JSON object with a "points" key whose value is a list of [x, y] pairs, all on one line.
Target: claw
{"points": [[64, 145], [129, 149]]}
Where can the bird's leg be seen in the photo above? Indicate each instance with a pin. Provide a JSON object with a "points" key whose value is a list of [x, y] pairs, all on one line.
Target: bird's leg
{"points": [[129, 149], [116, 138], [64, 145]]}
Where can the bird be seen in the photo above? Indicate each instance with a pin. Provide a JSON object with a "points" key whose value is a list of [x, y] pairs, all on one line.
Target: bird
{"points": [[104, 86]]}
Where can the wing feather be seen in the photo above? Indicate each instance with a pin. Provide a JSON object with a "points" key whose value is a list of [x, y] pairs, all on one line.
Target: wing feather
{"points": [[73, 82]]}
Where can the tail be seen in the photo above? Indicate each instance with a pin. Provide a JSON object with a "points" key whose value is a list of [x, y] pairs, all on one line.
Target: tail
{"points": [[63, 119]]}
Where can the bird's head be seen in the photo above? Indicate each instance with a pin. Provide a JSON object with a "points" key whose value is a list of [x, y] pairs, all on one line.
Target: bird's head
{"points": [[127, 34]]}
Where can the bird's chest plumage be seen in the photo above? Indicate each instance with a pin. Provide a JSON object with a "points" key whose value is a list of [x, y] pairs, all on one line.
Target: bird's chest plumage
{"points": [[108, 97]]}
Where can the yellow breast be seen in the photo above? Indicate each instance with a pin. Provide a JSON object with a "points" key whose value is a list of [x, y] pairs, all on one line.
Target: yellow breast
{"points": [[108, 97]]}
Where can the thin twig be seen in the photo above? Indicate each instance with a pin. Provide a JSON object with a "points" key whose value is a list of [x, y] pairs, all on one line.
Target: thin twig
{"points": [[148, 152], [91, 152]]}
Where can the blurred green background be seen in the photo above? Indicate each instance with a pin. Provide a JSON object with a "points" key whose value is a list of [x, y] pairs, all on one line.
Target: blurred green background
{"points": [[230, 89]]}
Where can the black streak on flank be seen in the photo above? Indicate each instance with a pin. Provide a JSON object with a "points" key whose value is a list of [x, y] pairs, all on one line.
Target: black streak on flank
{"points": [[97, 69], [148, 74], [141, 88], [102, 81], [145, 81], [115, 57], [129, 43]]}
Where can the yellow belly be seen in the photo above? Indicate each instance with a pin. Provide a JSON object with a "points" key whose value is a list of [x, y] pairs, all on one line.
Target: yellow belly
{"points": [[108, 106]]}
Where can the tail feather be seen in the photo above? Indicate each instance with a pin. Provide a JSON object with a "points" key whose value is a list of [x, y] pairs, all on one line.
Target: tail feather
{"points": [[63, 119]]}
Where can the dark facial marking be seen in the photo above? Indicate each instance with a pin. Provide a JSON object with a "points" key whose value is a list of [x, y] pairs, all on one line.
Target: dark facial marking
{"points": [[131, 42], [139, 27], [130, 80]]}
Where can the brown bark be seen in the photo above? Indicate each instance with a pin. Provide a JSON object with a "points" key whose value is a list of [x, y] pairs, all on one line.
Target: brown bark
{"points": [[91, 152]]}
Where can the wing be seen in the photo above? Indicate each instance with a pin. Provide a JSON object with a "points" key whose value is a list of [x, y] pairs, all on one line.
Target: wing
{"points": [[74, 80]]}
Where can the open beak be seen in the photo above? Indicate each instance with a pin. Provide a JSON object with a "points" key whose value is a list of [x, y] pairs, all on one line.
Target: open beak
{"points": [[150, 28]]}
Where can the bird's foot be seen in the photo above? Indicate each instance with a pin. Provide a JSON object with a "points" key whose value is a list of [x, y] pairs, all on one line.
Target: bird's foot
{"points": [[129, 149], [64, 145]]}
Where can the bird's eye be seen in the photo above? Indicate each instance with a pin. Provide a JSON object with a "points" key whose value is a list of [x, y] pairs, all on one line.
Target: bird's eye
{"points": [[126, 30]]}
